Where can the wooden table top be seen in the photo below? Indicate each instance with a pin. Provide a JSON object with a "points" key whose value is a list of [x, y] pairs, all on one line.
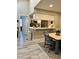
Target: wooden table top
{"points": [[56, 37]]}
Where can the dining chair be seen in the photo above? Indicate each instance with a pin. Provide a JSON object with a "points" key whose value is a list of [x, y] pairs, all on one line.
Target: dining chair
{"points": [[48, 41]]}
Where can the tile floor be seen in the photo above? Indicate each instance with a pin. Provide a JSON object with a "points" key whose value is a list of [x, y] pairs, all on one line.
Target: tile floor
{"points": [[40, 41], [32, 52]]}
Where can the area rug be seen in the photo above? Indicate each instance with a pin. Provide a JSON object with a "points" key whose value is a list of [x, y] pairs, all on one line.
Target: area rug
{"points": [[32, 52]]}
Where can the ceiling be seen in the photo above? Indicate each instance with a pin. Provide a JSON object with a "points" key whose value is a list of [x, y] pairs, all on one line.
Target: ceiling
{"points": [[44, 4]]}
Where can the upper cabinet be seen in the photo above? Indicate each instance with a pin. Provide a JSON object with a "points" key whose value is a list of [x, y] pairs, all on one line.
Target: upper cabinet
{"points": [[42, 17]]}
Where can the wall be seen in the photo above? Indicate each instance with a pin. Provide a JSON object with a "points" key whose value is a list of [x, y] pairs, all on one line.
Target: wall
{"points": [[26, 7], [57, 16], [32, 4], [22, 7]]}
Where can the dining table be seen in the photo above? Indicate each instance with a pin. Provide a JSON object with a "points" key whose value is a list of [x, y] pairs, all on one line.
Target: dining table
{"points": [[57, 39]]}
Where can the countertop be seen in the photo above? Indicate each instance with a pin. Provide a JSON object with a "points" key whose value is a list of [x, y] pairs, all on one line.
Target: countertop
{"points": [[39, 28]]}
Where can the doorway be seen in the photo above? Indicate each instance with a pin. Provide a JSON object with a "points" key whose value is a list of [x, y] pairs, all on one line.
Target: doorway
{"points": [[23, 26]]}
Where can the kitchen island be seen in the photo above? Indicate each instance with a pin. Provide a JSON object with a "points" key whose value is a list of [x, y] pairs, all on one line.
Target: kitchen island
{"points": [[37, 32]]}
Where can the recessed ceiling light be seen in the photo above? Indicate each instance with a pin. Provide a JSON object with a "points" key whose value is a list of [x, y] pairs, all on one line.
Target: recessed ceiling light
{"points": [[51, 5]]}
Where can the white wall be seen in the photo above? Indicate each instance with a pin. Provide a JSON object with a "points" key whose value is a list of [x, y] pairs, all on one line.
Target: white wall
{"points": [[32, 4], [26, 7], [22, 7]]}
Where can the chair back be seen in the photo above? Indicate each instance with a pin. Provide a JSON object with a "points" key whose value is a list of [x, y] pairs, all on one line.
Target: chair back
{"points": [[46, 36]]}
